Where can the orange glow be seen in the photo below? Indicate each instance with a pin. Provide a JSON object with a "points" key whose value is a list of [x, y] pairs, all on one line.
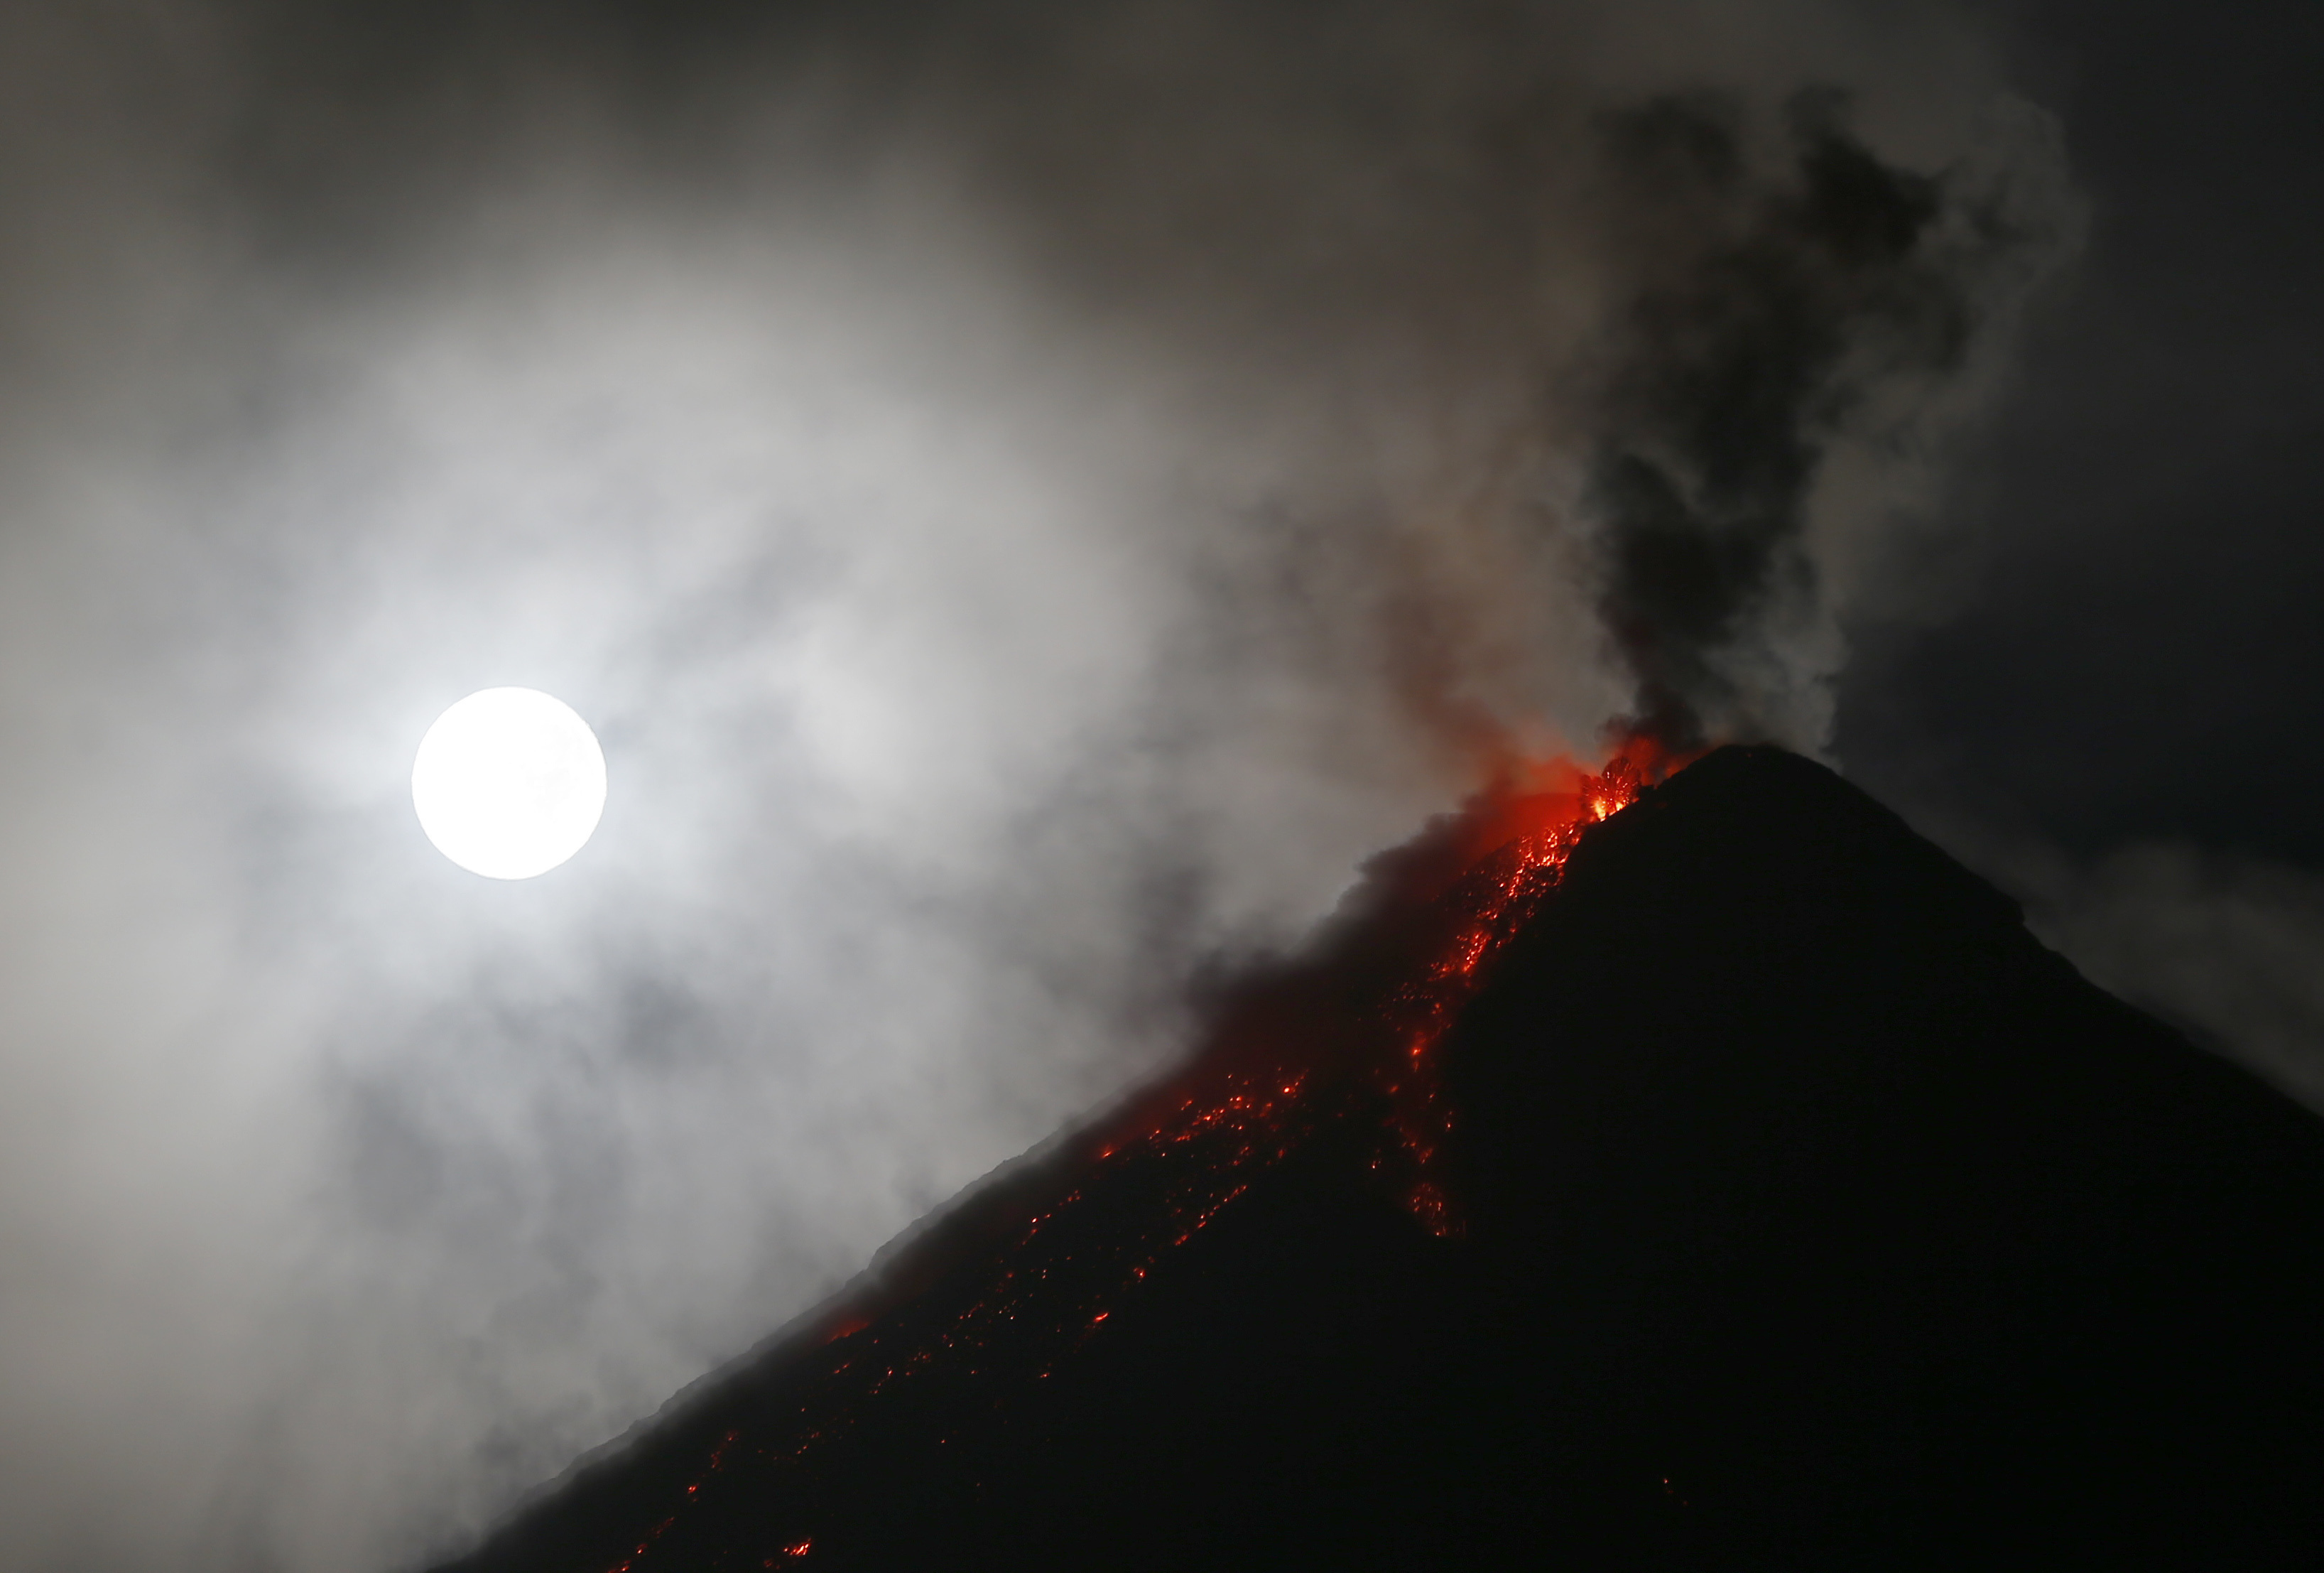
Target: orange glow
{"points": [[1348, 1038]]}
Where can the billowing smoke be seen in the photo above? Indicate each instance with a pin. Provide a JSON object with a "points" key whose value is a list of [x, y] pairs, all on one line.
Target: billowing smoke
{"points": [[1030, 496], [1774, 317]]}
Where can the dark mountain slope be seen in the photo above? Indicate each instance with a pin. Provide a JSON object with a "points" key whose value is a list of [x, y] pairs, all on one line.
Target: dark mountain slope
{"points": [[1860, 1217], [1804, 1212]]}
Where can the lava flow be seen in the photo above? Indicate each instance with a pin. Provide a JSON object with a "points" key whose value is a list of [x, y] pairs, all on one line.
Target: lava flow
{"points": [[1344, 1037]]}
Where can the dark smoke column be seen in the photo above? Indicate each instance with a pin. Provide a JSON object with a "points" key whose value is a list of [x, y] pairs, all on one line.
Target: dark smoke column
{"points": [[1771, 311]]}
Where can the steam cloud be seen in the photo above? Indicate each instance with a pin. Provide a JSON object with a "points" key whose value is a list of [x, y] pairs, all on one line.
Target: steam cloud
{"points": [[1030, 496], [1787, 310]]}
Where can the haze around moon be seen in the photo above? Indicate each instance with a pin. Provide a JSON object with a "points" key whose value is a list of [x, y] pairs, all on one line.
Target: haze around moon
{"points": [[508, 782]]}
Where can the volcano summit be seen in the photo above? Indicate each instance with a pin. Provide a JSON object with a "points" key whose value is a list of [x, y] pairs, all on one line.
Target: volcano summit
{"points": [[1709, 1174]]}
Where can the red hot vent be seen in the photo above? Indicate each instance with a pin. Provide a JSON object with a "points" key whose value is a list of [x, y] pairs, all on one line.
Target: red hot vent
{"points": [[1700, 1174]]}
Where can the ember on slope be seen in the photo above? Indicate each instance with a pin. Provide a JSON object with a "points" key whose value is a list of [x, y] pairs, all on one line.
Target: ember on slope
{"points": [[1345, 1038], [1792, 1170]]}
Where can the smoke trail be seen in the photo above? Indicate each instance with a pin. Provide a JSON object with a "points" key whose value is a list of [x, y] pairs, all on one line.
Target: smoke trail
{"points": [[1777, 312], [1030, 495]]}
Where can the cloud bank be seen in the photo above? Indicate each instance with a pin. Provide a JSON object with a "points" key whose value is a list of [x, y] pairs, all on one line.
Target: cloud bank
{"points": [[1030, 496]]}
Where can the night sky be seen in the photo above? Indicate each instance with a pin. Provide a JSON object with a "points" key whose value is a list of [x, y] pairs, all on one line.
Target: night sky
{"points": [[2115, 703], [2138, 655], [1030, 496]]}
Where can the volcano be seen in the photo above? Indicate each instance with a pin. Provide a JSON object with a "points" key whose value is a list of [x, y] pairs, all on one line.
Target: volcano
{"points": [[1708, 1174]]}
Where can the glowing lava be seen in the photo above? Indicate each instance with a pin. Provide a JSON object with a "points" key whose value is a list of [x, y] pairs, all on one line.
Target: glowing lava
{"points": [[1347, 1038]]}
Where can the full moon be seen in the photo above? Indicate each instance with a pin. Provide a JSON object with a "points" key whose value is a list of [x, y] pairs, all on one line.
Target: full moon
{"points": [[508, 782]]}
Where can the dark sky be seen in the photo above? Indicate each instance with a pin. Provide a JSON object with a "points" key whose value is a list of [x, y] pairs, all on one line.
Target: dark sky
{"points": [[1030, 495], [2116, 705], [2140, 651]]}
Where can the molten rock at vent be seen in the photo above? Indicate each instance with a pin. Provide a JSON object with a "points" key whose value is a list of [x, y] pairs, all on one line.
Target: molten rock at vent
{"points": [[1708, 1174]]}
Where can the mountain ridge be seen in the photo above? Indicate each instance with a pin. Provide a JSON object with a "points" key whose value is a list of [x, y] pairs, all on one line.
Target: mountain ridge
{"points": [[1806, 1210]]}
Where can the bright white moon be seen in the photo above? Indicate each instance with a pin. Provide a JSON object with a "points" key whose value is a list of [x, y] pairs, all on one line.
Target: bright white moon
{"points": [[508, 782]]}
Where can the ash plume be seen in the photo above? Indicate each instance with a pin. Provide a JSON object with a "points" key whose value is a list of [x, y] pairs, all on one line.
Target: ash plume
{"points": [[1775, 311], [1030, 496]]}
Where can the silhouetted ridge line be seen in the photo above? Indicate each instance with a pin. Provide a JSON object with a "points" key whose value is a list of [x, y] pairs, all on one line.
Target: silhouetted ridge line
{"points": [[1807, 1212]]}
